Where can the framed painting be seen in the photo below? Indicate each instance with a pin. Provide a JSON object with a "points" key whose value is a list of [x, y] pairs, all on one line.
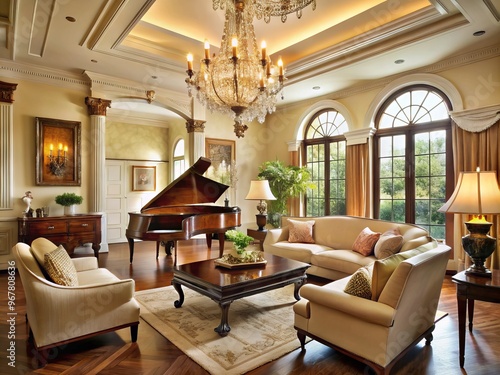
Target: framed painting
{"points": [[58, 152], [220, 151], [143, 178]]}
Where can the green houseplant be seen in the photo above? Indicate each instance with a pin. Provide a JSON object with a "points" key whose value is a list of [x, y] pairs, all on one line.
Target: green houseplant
{"points": [[69, 200], [285, 182], [239, 239]]}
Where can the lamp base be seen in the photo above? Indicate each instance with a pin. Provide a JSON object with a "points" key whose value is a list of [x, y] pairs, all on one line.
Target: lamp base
{"points": [[479, 246], [261, 220]]}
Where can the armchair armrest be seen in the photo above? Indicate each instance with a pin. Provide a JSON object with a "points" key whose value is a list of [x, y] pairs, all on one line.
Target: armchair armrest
{"points": [[85, 264], [361, 308]]}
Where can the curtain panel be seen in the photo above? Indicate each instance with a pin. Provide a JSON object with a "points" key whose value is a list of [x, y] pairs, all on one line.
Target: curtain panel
{"points": [[358, 181], [472, 149]]}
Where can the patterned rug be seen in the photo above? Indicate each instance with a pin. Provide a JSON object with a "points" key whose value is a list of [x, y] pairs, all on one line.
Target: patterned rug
{"points": [[261, 327]]}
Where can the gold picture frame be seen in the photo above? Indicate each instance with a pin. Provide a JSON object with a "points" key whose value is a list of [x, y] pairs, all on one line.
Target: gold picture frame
{"points": [[219, 150], [58, 152], [143, 178]]}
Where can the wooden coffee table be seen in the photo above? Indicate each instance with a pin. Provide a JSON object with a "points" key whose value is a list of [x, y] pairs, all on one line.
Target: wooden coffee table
{"points": [[224, 285]]}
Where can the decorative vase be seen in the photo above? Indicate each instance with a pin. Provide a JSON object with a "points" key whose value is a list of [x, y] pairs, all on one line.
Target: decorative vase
{"points": [[69, 210]]}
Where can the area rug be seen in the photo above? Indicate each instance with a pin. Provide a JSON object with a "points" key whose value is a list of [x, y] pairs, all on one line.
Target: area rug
{"points": [[261, 327]]}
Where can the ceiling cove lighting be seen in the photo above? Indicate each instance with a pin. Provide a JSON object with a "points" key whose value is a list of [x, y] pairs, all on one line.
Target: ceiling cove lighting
{"points": [[241, 81]]}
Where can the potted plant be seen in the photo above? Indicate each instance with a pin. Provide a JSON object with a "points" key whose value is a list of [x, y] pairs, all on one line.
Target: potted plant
{"points": [[285, 182], [239, 239], [69, 200]]}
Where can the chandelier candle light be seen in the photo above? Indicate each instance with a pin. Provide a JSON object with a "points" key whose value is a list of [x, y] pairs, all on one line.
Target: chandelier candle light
{"points": [[476, 193], [241, 81]]}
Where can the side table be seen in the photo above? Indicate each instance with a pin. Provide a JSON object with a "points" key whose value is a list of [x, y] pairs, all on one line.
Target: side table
{"points": [[259, 235], [469, 289]]}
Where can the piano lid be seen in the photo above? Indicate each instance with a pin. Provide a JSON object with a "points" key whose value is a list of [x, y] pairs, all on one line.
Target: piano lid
{"points": [[190, 188]]}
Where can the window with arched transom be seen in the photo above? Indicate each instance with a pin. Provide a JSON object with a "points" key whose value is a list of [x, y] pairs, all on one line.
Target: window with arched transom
{"points": [[325, 154], [179, 164], [413, 168]]}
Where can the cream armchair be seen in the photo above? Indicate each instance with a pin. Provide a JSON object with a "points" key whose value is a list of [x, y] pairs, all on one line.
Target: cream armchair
{"points": [[376, 332], [59, 314]]}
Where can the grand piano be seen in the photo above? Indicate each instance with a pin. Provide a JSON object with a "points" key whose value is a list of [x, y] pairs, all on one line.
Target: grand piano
{"points": [[181, 211]]}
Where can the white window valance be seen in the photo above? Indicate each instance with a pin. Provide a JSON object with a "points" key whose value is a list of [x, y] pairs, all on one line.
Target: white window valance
{"points": [[477, 120]]}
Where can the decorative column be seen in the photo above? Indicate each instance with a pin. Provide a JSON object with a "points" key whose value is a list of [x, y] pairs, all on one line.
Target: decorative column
{"points": [[6, 143], [97, 111], [196, 139]]}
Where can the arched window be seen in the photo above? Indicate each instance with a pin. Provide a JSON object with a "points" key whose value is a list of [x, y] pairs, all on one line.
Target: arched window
{"points": [[179, 163], [413, 168], [325, 150]]}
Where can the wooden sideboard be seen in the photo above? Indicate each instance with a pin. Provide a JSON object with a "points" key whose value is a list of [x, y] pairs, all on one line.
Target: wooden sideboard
{"points": [[69, 231]]}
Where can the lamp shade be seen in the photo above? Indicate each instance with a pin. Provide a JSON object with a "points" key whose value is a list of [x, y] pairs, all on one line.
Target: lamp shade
{"points": [[259, 190], [475, 193]]}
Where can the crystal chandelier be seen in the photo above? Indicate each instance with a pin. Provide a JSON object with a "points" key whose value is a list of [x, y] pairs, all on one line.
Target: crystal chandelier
{"points": [[241, 81]]}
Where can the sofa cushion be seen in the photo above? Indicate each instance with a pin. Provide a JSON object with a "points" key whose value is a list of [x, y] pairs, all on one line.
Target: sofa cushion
{"points": [[297, 251], [360, 283], [365, 241], [383, 268], [60, 268], [344, 261], [389, 243], [300, 231], [40, 250]]}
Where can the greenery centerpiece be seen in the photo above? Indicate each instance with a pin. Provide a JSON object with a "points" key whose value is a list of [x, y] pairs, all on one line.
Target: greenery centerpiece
{"points": [[68, 201], [285, 182], [241, 241]]}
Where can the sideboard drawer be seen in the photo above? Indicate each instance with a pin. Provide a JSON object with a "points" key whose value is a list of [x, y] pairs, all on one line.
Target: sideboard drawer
{"points": [[48, 227], [70, 231], [82, 226]]}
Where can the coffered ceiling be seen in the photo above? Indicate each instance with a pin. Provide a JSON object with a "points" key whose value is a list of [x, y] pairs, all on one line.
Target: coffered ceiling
{"points": [[340, 44]]}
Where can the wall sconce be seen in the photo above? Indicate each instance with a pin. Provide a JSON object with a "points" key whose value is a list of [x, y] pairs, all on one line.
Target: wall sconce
{"points": [[57, 164]]}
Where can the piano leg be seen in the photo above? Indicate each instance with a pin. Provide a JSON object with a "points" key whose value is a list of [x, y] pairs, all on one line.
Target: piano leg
{"points": [[221, 244], [208, 236], [131, 248]]}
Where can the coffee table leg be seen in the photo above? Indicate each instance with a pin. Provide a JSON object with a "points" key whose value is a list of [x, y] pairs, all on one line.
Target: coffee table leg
{"points": [[180, 301], [297, 287], [223, 328]]}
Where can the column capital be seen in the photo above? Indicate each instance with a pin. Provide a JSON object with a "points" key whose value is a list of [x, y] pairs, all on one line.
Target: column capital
{"points": [[7, 92], [195, 126], [97, 106]]}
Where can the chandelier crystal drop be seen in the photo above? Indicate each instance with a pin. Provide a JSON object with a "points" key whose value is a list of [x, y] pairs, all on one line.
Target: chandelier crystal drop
{"points": [[272, 8], [241, 81]]}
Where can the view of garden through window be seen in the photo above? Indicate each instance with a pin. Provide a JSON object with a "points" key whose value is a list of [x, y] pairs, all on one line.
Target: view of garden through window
{"points": [[326, 160], [412, 147]]}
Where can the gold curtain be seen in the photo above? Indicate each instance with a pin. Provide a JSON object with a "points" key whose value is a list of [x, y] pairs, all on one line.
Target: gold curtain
{"points": [[472, 150], [358, 197]]}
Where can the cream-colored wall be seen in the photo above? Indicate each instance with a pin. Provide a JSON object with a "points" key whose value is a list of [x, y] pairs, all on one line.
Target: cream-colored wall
{"points": [[38, 100]]}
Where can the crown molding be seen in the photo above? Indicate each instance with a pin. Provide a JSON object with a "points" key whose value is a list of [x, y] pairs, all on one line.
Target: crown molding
{"points": [[45, 76]]}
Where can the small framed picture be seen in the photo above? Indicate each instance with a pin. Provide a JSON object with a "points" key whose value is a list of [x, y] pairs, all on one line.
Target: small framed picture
{"points": [[143, 178]]}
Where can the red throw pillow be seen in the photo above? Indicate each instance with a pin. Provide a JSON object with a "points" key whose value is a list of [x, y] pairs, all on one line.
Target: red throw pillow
{"points": [[365, 241]]}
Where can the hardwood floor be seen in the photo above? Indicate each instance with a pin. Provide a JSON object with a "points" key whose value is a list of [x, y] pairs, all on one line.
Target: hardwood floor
{"points": [[113, 353]]}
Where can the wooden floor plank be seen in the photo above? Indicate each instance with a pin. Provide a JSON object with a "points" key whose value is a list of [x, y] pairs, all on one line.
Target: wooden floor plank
{"points": [[113, 354]]}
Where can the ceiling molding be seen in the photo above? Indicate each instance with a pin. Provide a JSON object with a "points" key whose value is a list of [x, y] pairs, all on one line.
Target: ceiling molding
{"points": [[451, 63]]}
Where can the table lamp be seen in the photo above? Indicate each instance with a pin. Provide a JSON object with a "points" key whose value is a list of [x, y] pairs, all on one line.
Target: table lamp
{"points": [[260, 190], [476, 193]]}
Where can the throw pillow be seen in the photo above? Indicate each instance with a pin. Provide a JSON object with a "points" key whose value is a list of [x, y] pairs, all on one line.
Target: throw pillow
{"points": [[389, 243], [365, 241], [360, 284], [300, 231], [60, 268]]}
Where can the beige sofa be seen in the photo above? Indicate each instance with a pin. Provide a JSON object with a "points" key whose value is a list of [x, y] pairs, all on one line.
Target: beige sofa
{"points": [[59, 314], [381, 329], [331, 255]]}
